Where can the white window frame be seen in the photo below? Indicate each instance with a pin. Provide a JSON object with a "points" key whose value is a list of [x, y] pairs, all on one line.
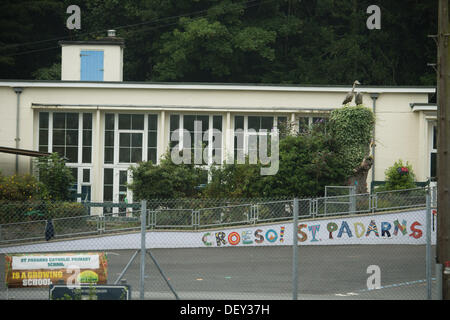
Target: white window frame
{"points": [[210, 135], [124, 166], [247, 133], [79, 165]]}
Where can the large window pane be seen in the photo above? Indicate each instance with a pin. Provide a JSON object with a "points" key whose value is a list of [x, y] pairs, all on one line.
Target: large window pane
{"points": [[124, 155], [136, 155], [87, 121], [136, 139], [435, 137], [137, 122], [124, 140], [72, 121], [217, 122], [239, 122], [433, 166], [108, 176], [267, 123], [72, 137], [43, 120], [108, 193], [152, 140], [109, 138], [59, 120], [87, 138], [188, 122], [151, 155], [109, 155], [59, 138], [72, 154], [152, 122], [124, 121], [109, 121], [205, 122], [253, 123], [87, 155], [43, 137], [174, 122]]}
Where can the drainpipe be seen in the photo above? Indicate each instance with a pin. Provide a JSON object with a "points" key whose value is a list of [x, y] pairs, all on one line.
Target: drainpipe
{"points": [[374, 97], [18, 91]]}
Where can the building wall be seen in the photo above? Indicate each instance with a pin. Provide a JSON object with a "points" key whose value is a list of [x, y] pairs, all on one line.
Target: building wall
{"points": [[112, 60], [400, 133]]}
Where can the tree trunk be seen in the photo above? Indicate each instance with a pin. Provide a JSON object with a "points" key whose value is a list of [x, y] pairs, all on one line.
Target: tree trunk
{"points": [[359, 178]]}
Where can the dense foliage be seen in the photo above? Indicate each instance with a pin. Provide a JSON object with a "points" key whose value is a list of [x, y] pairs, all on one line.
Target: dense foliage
{"points": [[56, 177], [166, 181], [352, 129], [308, 161], [399, 176], [246, 41], [21, 188]]}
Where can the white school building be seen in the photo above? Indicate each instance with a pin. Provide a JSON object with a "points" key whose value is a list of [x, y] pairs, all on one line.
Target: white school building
{"points": [[102, 124]]}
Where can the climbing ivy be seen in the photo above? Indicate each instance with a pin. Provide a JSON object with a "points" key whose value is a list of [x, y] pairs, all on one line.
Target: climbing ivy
{"points": [[352, 129]]}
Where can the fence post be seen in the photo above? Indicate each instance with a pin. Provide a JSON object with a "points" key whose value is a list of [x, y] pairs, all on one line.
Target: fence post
{"points": [[143, 249], [428, 245], [353, 199], [295, 252]]}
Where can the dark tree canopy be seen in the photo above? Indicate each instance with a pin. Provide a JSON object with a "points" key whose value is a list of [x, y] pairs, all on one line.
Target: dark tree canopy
{"points": [[240, 41]]}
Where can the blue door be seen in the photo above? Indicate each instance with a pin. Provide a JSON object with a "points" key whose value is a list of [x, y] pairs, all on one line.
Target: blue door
{"points": [[91, 65]]}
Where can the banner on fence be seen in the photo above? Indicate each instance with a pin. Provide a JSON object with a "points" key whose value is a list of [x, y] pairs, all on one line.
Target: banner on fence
{"points": [[393, 228], [44, 269], [389, 228]]}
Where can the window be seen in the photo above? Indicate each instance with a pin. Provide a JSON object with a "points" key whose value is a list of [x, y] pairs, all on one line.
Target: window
{"points": [[130, 147], [123, 177], [152, 138], [130, 138], [43, 131], [207, 134], [108, 183], [87, 138], [305, 123], [248, 131], [67, 133], [109, 138], [433, 152], [131, 128]]}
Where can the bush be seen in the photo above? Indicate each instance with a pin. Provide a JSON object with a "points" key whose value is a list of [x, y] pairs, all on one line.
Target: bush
{"points": [[57, 178], [399, 176], [22, 211], [21, 188], [167, 180]]}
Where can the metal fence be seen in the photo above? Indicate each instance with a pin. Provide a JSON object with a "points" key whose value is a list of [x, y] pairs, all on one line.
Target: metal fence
{"points": [[320, 248]]}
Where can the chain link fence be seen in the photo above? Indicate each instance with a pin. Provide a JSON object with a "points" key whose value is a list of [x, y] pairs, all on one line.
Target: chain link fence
{"points": [[349, 246]]}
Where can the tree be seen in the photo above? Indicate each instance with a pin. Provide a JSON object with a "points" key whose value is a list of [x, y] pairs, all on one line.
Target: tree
{"points": [[352, 129], [56, 176], [308, 162], [307, 42], [166, 180], [235, 181]]}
